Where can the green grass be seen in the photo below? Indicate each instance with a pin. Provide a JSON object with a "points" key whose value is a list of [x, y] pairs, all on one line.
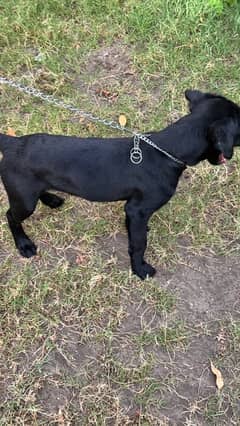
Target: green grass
{"points": [[77, 327], [164, 336]]}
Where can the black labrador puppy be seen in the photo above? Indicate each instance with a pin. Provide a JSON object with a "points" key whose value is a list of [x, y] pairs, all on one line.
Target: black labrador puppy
{"points": [[101, 170]]}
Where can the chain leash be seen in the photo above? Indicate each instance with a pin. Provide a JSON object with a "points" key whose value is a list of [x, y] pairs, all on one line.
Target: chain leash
{"points": [[136, 156]]}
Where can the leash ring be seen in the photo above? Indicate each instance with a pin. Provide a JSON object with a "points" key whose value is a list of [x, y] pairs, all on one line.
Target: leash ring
{"points": [[136, 155]]}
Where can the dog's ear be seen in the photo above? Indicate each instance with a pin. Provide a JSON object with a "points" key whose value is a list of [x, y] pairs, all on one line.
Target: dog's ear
{"points": [[194, 96], [222, 136]]}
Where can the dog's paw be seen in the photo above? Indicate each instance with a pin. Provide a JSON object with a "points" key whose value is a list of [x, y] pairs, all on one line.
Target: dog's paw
{"points": [[27, 248], [51, 200], [145, 271]]}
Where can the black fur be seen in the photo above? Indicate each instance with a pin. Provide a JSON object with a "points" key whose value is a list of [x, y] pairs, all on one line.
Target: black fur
{"points": [[100, 169]]}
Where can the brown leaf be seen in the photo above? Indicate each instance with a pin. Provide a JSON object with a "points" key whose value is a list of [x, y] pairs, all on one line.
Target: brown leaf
{"points": [[81, 259], [104, 93], [122, 119], [218, 374], [82, 120], [11, 132], [90, 127]]}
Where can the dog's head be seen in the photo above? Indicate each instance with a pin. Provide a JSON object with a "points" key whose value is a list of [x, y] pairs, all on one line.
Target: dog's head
{"points": [[223, 124]]}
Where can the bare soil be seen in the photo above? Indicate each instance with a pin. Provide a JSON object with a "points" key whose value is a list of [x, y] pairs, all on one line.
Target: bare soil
{"points": [[207, 293]]}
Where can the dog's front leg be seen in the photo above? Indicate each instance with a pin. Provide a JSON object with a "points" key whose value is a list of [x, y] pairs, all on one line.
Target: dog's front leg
{"points": [[136, 222]]}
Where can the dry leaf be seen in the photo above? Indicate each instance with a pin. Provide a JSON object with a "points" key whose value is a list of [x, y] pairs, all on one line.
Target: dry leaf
{"points": [[122, 120], [82, 120], [81, 259], [104, 93], [11, 132], [218, 374], [91, 127]]}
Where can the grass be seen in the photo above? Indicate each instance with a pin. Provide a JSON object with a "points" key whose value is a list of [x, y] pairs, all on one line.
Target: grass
{"points": [[164, 336], [81, 340]]}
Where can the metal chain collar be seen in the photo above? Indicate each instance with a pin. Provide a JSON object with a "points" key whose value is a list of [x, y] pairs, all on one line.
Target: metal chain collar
{"points": [[136, 156]]}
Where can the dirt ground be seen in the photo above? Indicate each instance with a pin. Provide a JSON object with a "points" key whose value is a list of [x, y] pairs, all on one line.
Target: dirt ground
{"points": [[207, 294]]}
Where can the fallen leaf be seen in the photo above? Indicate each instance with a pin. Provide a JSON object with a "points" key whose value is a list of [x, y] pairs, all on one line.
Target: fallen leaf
{"points": [[90, 127], [11, 132], [218, 374], [81, 259], [104, 93], [122, 120]]}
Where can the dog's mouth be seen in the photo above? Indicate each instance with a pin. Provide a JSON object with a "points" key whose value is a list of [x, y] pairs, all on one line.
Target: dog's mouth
{"points": [[221, 159]]}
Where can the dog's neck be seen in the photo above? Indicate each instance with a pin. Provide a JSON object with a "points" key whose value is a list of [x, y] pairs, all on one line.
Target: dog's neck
{"points": [[189, 146]]}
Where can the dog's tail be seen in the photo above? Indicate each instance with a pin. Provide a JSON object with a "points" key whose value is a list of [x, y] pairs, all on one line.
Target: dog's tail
{"points": [[5, 143]]}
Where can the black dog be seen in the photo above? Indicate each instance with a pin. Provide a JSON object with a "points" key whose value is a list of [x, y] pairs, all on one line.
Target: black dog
{"points": [[101, 170]]}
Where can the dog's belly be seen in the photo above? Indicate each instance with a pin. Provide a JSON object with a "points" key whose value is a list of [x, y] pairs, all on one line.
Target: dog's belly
{"points": [[98, 188], [101, 194]]}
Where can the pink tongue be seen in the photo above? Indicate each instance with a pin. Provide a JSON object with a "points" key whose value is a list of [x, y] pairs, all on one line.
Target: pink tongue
{"points": [[221, 159]]}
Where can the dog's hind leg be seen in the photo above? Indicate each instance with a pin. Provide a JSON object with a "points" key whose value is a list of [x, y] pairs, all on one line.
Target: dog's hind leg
{"points": [[51, 200], [22, 200], [136, 221]]}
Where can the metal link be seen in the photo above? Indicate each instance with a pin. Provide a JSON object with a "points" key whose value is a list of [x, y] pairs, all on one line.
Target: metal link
{"points": [[57, 102], [136, 152], [109, 123]]}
